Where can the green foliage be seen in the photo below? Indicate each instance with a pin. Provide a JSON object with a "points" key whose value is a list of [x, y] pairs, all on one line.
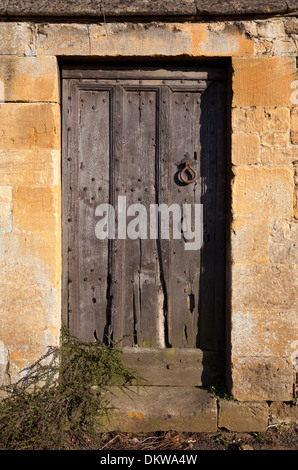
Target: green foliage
{"points": [[60, 399], [221, 440], [219, 391], [259, 436]]}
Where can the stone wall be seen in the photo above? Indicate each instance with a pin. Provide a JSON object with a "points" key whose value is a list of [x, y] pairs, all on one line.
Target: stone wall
{"points": [[262, 325]]}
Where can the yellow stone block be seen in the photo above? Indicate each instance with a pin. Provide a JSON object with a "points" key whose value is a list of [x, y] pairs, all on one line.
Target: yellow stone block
{"points": [[260, 119], [194, 39], [262, 191], [42, 246], [245, 149], [54, 39], [296, 190], [36, 208], [5, 208], [29, 78], [30, 307], [264, 287], [283, 242], [30, 167], [48, 249], [32, 125], [263, 81], [256, 334], [275, 139], [30, 294], [279, 156], [262, 378], [219, 39], [294, 127], [250, 240], [16, 38]]}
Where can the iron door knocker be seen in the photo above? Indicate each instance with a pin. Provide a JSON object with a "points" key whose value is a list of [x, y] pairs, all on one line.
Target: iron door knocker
{"points": [[188, 168]]}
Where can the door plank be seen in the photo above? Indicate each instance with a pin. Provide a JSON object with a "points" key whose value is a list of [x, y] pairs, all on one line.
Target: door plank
{"points": [[182, 266]]}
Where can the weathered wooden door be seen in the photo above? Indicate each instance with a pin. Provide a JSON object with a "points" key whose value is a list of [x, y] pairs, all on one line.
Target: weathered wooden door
{"points": [[127, 134]]}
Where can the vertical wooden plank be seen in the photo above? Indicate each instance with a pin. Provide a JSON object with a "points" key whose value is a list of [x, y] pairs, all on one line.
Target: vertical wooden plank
{"points": [[93, 189], [71, 215], [134, 178], [117, 246], [185, 264], [164, 196], [140, 143], [84, 170], [65, 191]]}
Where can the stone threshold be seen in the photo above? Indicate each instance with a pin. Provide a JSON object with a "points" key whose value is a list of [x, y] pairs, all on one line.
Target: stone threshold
{"points": [[190, 409]]}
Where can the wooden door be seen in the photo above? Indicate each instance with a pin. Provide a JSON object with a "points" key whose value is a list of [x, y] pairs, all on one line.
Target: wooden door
{"points": [[127, 134]]}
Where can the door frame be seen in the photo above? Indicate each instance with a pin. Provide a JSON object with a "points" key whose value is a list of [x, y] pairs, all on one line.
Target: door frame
{"points": [[91, 71]]}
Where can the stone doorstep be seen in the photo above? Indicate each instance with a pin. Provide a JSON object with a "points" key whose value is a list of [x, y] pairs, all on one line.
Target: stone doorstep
{"points": [[181, 409], [152, 409]]}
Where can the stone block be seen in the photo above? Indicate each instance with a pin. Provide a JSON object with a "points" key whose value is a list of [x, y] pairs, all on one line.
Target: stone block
{"points": [[95, 9], [262, 81], [242, 7], [220, 39], [157, 39], [262, 379], [243, 417], [250, 240], [151, 409], [119, 39], [245, 149], [4, 365], [283, 247], [30, 78], [296, 190], [260, 119], [283, 413], [291, 26], [263, 47], [264, 335], [30, 167], [3, 5], [5, 208], [294, 127], [165, 9], [270, 28], [30, 125], [16, 38], [30, 291], [278, 156], [284, 46], [262, 191], [36, 208], [268, 287], [275, 139], [54, 39]]}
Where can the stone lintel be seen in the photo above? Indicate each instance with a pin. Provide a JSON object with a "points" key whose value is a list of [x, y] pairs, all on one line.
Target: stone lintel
{"points": [[131, 10]]}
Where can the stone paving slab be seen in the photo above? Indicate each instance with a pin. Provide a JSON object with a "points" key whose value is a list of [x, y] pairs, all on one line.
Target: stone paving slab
{"points": [[152, 409]]}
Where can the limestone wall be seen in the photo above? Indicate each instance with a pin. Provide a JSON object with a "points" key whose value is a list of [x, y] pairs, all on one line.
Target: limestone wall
{"points": [[262, 325]]}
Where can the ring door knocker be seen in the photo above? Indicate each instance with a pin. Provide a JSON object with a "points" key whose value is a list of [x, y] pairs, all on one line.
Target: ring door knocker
{"points": [[190, 170]]}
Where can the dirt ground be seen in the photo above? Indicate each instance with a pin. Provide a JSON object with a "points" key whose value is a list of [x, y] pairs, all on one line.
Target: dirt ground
{"points": [[276, 437]]}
